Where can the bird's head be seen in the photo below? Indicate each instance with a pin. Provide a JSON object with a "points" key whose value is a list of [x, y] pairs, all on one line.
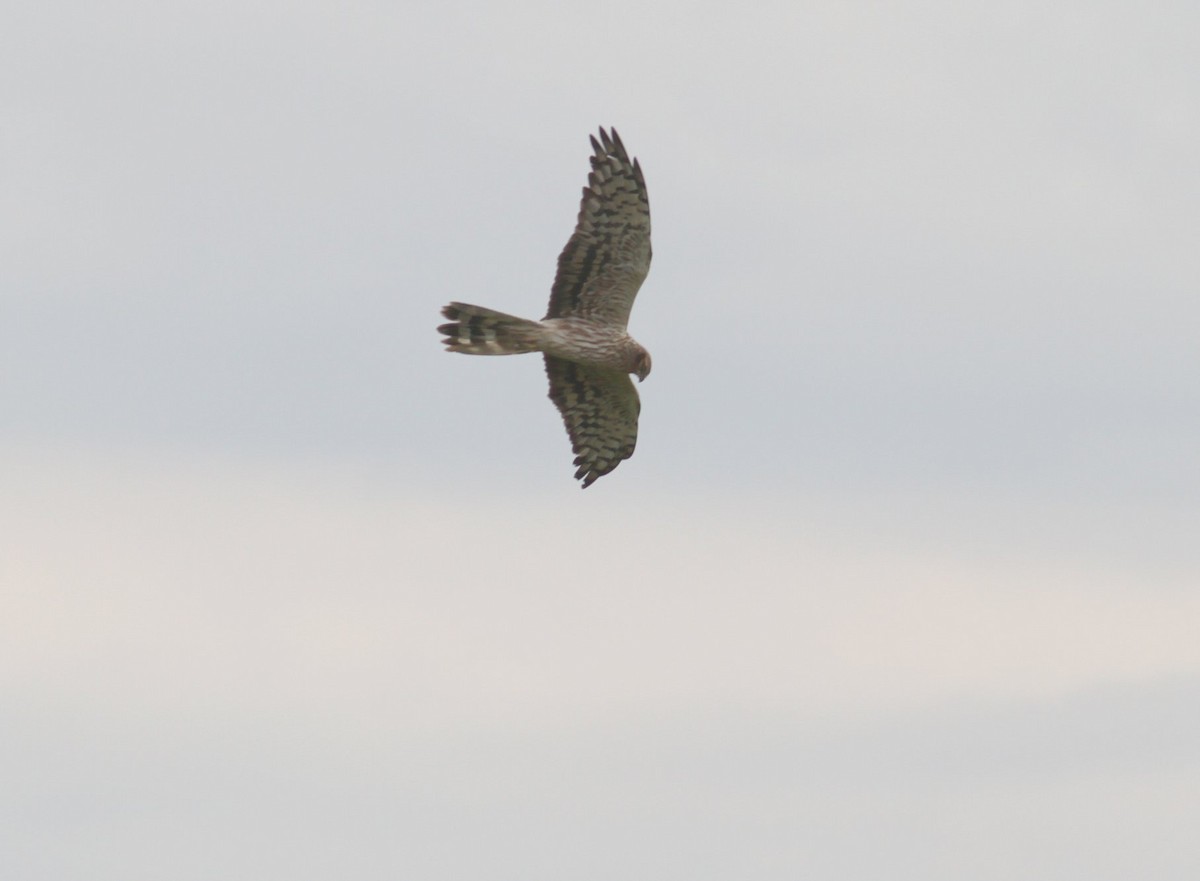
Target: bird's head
{"points": [[641, 364]]}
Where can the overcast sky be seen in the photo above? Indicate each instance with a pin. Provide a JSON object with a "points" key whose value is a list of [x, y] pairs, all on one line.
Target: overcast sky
{"points": [[902, 581]]}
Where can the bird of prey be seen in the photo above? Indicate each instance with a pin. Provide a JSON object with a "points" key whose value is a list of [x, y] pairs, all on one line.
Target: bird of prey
{"points": [[589, 355]]}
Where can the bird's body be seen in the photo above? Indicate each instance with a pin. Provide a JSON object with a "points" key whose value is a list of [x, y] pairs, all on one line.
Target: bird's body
{"points": [[588, 352], [483, 331]]}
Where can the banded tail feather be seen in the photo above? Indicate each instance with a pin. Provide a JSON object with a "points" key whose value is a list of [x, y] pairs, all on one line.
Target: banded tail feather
{"points": [[474, 330]]}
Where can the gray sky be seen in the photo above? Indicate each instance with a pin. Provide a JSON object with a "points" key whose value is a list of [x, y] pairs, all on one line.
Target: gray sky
{"points": [[901, 582]]}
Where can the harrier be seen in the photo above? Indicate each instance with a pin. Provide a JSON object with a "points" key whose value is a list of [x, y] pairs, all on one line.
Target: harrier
{"points": [[589, 355]]}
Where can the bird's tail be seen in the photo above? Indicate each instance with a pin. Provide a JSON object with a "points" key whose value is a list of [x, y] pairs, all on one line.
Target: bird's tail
{"points": [[474, 330]]}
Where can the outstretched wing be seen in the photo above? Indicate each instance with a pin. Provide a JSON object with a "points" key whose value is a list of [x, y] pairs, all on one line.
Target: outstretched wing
{"points": [[608, 256], [600, 409]]}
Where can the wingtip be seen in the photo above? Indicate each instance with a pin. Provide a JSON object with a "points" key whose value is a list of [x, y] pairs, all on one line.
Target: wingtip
{"points": [[610, 144]]}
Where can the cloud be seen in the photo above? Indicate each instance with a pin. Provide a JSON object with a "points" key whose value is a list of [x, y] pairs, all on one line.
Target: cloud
{"points": [[296, 589]]}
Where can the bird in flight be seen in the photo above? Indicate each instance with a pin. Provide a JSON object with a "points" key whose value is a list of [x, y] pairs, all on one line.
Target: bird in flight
{"points": [[588, 352]]}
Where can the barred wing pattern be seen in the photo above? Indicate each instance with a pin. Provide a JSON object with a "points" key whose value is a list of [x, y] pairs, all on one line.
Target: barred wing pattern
{"points": [[599, 273], [608, 256], [600, 409]]}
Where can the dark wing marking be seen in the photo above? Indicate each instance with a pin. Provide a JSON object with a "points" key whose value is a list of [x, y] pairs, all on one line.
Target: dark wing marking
{"points": [[600, 409], [608, 256]]}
